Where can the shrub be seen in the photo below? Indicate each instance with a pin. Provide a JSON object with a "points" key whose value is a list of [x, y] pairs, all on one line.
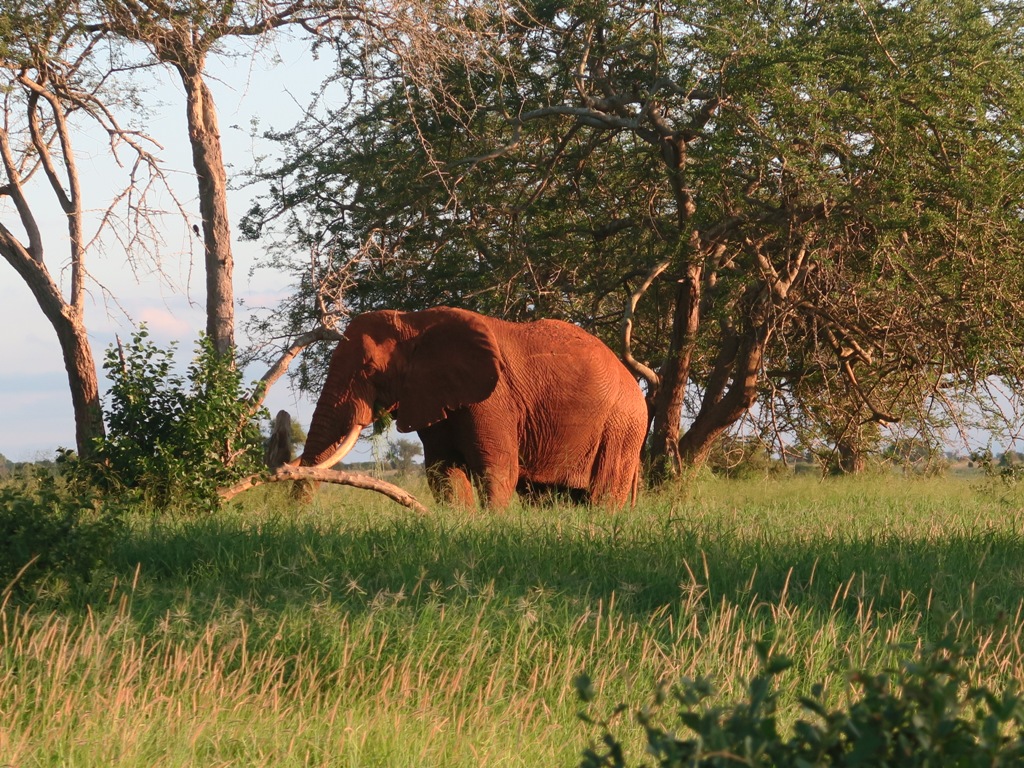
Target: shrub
{"points": [[48, 527], [924, 713], [175, 439], [742, 456]]}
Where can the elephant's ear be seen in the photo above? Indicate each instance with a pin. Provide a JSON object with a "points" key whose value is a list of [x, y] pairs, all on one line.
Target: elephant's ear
{"points": [[451, 364]]}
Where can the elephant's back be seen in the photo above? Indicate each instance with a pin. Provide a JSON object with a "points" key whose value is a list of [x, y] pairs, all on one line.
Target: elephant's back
{"points": [[555, 335], [561, 363], [586, 353]]}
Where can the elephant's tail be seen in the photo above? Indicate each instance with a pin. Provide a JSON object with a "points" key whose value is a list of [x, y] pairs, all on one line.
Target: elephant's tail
{"points": [[634, 490]]}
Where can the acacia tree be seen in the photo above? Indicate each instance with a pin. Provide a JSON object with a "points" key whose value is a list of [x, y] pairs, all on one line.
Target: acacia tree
{"points": [[183, 39], [782, 190], [818, 192], [50, 90]]}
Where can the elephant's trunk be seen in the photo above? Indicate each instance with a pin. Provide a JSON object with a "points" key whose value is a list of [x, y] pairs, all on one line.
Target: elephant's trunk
{"points": [[344, 407], [334, 430]]}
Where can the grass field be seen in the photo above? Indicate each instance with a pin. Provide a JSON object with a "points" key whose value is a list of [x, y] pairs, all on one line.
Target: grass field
{"points": [[355, 633]]}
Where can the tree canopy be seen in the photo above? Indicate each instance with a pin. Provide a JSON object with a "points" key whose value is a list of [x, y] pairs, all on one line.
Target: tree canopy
{"points": [[799, 198], [72, 61]]}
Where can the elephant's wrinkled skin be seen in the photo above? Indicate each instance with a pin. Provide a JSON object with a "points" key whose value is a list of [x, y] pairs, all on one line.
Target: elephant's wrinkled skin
{"points": [[497, 403]]}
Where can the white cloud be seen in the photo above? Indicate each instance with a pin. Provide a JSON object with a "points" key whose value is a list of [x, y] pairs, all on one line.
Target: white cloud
{"points": [[163, 323]]}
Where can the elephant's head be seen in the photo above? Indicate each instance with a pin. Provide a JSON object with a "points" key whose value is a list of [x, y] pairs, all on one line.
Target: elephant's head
{"points": [[417, 365]]}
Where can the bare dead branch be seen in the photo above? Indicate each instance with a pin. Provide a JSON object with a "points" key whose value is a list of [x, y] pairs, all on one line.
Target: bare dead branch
{"points": [[280, 366], [337, 476], [71, 198], [15, 189], [626, 334], [42, 146]]}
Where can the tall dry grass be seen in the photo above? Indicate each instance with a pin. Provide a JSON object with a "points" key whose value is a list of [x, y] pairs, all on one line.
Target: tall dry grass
{"points": [[351, 634]]}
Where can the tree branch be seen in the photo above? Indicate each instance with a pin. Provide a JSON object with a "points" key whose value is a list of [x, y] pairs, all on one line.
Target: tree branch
{"points": [[277, 370], [14, 188], [355, 479], [626, 333]]}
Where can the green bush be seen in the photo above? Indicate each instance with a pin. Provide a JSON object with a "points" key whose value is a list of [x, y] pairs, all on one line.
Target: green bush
{"points": [[175, 439], [925, 713], [743, 456], [48, 527]]}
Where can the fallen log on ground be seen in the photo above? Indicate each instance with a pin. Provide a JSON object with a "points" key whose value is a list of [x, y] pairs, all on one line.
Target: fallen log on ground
{"points": [[355, 479]]}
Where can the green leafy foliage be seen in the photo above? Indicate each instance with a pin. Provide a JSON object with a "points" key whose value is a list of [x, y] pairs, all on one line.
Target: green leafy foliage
{"points": [[48, 527], [924, 713], [836, 182], [175, 439]]}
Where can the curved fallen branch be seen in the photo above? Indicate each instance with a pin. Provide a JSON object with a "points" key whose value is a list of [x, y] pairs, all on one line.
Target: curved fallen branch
{"points": [[355, 479]]}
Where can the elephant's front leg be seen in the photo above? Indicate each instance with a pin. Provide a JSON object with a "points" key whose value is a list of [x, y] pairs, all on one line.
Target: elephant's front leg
{"points": [[445, 465], [450, 484], [499, 484], [491, 447]]}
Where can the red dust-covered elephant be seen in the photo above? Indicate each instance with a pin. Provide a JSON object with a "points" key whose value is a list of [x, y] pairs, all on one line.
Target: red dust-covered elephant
{"points": [[498, 404]]}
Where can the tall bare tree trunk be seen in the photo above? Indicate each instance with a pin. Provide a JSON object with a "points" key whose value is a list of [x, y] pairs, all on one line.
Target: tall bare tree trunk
{"points": [[731, 390], [208, 161], [46, 117], [181, 35], [68, 323], [665, 459], [82, 378]]}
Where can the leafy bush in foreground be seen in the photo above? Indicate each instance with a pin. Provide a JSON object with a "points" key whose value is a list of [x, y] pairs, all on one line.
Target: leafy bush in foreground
{"points": [[47, 527], [175, 439], [924, 713]]}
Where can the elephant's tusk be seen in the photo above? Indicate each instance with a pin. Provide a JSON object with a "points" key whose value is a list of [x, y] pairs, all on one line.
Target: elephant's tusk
{"points": [[346, 445]]}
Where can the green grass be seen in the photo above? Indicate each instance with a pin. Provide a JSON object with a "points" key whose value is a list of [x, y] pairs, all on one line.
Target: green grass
{"points": [[355, 633]]}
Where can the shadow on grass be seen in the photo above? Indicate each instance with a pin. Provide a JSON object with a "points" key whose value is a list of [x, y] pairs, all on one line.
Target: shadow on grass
{"points": [[651, 563]]}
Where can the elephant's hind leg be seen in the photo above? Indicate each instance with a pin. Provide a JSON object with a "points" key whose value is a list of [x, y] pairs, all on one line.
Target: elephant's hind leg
{"points": [[616, 469]]}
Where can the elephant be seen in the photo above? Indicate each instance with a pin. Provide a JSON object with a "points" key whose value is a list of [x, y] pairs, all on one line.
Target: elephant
{"points": [[501, 405]]}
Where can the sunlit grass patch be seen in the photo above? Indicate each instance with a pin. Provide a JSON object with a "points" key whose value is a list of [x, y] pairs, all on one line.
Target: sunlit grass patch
{"points": [[355, 633]]}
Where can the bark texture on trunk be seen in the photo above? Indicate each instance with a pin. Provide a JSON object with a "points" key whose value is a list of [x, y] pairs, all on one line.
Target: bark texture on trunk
{"points": [[731, 390], [82, 378], [208, 161], [851, 458], [69, 325], [666, 460]]}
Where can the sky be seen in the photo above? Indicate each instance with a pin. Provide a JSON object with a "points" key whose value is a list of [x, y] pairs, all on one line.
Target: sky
{"points": [[272, 86]]}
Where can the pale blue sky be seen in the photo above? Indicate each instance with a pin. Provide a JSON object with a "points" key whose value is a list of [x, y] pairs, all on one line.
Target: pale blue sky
{"points": [[35, 405]]}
